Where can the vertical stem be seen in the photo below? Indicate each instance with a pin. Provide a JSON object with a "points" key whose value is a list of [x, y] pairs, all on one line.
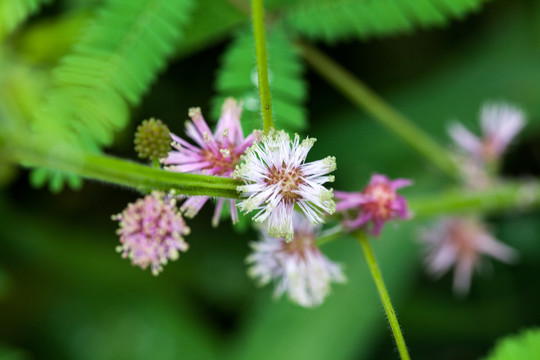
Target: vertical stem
{"points": [[262, 63], [383, 293], [364, 97]]}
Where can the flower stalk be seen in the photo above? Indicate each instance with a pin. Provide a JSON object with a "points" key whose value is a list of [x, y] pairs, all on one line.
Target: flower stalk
{"points": [[383, 293], [362, 96], [257, 11]]}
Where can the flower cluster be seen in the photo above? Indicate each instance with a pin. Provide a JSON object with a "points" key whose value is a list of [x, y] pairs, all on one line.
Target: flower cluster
{"points": [[297, 267], [480, 156], [461, 242], [375, 205], [277, 178], [213, 154], [500, 124], [151, 232]]}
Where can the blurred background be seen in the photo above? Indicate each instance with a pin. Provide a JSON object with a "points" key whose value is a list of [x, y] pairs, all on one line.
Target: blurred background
{"points": [[66, 294]]}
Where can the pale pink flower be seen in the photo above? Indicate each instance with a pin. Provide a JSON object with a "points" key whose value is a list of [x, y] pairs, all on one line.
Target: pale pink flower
{"points": [[297, 267], [151, 232], [375, 205], [213, 154], [500, 124], [277, 178], [461, 242]]}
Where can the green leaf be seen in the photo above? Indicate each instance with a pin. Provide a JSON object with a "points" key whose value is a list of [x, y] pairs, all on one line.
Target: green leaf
{"points": [[110, 68], [516, 347], [14, 12], [237, 77], [332, 20], [114, 63]]}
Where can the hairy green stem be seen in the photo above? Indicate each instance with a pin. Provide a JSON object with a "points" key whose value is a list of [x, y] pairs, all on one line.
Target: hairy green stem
{"points": [[519, 195], [515, 195], [126, 173], [257, 11], [383, 294], [365, 98]]}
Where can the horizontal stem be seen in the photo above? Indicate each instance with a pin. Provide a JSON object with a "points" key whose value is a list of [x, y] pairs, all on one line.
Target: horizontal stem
{"points": [[122, 172], [505, 196], [362, 96]]}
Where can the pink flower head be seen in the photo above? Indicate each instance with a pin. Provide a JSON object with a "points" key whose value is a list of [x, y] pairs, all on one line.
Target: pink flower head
{"points": [[297, 267], [151, 232], [277, 178], [461, 242], [500, 124], [213, 154], [377, 203]]}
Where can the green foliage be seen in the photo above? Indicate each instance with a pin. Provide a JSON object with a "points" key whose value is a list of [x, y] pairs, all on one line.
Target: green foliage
{"points": [[109, 68], [14, 12], [333, 20], [525, 345], [113, 63], [237, 78]]}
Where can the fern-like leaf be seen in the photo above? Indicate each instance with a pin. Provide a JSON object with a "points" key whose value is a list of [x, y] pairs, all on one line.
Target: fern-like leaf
{"points": [[112, 65], [108, 69], [525, 345], [237, 77], [333, 20], [14, 12]]}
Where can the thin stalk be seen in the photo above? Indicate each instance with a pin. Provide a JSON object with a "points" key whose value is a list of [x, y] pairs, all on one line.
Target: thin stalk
{"points": [[257, 11], [362, 96], [125, 173], [383, 294]]}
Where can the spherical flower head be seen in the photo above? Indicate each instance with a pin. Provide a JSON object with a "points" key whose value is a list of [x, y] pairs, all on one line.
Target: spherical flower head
{"points": [[151, 232], [378, 203], [500, 124], [460, 242], [212, 154], [152, 139], [296, 267], [277, 178]]}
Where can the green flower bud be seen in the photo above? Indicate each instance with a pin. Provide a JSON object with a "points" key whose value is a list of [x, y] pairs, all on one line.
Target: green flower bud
{"points": [[152, 139]]}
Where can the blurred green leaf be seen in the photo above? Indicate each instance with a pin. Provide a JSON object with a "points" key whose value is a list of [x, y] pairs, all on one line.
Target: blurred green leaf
{"points": [[14, 12], [109, 68], [333, 20], [516, 347]]}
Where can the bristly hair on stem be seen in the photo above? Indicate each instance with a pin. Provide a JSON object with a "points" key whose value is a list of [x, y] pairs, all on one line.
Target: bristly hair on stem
{"points": [[383, 293], [262, 63]]}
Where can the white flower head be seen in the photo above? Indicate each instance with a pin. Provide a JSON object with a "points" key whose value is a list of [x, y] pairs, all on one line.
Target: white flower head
{"points": [[276, 178], [297, 267], [461, 242], [500, 124]]}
